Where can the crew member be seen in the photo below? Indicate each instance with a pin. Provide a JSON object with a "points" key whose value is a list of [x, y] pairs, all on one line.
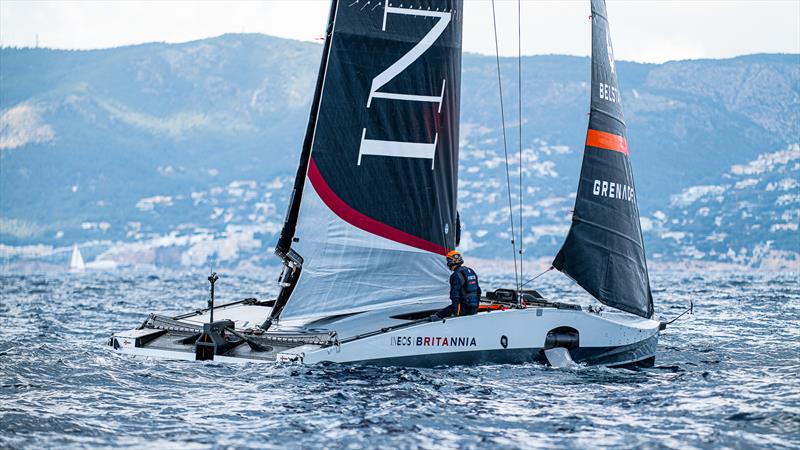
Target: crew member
{"points": [[465, 292]]}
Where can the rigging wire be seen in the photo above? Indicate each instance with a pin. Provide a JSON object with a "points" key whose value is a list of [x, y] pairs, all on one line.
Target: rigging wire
{"points": [[689, 310], [505, 149], [537, 276], [519, 99]]}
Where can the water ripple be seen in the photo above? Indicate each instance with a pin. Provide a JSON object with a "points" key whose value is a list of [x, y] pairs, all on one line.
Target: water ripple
{"points": [[725, 377]]}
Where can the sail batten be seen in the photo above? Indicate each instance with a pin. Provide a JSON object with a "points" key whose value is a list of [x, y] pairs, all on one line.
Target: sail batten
{"points": [[608, 230], [604, 249]]}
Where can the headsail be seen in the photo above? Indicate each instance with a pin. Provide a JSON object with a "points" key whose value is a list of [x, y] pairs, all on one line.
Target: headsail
{"points": [[604, 249], [378, 207]]}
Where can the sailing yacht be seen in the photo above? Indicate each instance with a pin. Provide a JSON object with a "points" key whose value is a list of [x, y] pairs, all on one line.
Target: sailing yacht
{"points": [[76, 260], [373, 212]]}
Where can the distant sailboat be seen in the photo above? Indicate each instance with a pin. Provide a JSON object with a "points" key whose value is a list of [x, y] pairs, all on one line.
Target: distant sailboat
{"points": [[76, 261]]}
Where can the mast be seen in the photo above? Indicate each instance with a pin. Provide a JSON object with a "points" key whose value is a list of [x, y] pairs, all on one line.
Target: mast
{"points": [[604, 250], [292, 262]]}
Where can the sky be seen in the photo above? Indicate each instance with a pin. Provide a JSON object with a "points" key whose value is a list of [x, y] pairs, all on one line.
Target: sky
{"points": [[643, 30]]}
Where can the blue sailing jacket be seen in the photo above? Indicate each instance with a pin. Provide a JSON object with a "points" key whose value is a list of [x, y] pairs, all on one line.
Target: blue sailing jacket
{"points": [[464, 287]]}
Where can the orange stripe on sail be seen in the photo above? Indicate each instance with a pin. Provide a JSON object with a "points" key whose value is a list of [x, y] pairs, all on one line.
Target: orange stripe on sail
{"points": [[608, 141]]}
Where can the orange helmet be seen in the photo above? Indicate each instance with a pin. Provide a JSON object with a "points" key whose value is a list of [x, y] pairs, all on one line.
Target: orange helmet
{"points": [[454, 258]]}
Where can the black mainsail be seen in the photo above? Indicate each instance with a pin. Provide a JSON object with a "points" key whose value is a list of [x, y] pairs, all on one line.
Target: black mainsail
{"points": [[378, 206], [604, 250]]}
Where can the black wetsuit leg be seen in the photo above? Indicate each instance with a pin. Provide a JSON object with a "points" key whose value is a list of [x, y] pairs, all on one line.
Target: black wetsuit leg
{"points": [[469, 309], [449, 310]]}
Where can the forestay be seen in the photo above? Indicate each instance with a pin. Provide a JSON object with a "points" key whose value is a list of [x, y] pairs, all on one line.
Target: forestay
{"points": [[378, 207], [604, 250]]}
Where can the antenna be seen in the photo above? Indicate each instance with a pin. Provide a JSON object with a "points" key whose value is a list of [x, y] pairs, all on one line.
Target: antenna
{"points": [[212, 279]]}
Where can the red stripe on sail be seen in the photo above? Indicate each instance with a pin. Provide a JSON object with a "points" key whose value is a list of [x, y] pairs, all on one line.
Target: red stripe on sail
{"points": [[608, 141], [359, 220]]}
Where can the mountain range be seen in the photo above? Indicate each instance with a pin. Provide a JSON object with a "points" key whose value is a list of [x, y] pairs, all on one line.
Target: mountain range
{"points": [[182, 155]]}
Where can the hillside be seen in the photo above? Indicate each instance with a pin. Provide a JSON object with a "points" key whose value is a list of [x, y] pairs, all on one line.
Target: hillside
{"points": [[182, 154]]}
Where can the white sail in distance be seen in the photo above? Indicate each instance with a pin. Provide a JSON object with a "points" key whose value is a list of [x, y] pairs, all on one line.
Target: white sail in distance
{"points": [[76, 261]]}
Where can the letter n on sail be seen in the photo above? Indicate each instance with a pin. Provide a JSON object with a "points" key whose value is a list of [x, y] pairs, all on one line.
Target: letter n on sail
{"points": [[397, 149], [401, 149]]}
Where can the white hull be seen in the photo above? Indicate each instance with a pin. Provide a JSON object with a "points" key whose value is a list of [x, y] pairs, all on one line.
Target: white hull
{"points": [[503, 336], [481, 338]]}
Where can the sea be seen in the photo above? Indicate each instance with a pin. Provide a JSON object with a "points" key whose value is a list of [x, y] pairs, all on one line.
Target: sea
{"points": [[726, 376]]}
